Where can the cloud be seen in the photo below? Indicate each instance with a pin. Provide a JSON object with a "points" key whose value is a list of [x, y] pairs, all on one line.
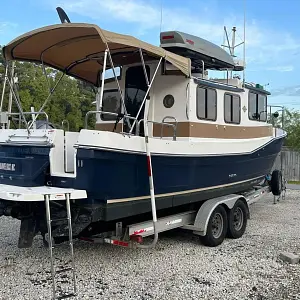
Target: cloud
{"points": [[7, 29], [262, 47], [4, 26], [287, 68], [293, 90], [147, 15]]}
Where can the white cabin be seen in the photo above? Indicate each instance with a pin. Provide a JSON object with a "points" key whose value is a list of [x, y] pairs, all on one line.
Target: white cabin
{"points": [[202, 108]]}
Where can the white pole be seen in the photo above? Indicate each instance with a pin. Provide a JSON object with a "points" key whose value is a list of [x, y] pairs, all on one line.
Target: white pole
{"points": [[32, 117], [100, 104], [10, 92], [150, 177], [232, 46], [4, 84], [244, 54]]}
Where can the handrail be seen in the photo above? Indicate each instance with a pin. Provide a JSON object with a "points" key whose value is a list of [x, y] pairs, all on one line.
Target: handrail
{"points": [[282, 113], [137, 132], [68, 124], [30, 113], [137, 129], [175, 126], [203, 69], [102, 113]]}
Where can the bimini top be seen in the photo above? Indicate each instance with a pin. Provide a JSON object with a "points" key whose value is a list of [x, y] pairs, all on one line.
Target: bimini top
{"points": [[197, 49], [78, 50]]}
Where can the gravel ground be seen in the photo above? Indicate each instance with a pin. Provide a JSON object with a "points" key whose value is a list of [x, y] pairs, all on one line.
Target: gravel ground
{"points": [[178, 268]]}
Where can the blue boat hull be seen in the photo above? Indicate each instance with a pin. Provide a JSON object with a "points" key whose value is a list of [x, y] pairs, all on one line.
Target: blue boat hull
{"points": [[118, 188], [24, 165], [114, 179], [108, 175], [117, 182]]}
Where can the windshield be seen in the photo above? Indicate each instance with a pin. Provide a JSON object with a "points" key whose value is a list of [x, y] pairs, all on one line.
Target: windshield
{"points": [[111, 103]]}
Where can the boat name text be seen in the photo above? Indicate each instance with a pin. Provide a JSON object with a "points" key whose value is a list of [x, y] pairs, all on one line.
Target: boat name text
{"points": [[7, 166]]}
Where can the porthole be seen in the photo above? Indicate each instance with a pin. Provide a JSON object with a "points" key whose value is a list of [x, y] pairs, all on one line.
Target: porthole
{"points": [[168, 101]]}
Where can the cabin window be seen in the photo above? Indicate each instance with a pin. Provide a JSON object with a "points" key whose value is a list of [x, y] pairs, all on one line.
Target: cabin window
{"points": [[111, 103], [232, 108], [257, 107], [168, 101], [206, 103], [109, 74], [135, 91]]}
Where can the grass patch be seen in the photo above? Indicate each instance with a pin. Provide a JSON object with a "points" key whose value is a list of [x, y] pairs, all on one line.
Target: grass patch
{"points": [[293, 182]]}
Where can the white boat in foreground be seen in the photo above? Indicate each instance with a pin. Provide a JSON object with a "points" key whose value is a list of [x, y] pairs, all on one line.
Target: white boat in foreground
{"points": [[166, 137]]}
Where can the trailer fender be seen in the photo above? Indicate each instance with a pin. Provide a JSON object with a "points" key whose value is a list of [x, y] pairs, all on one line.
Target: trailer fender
{"points": [[206, 209]]}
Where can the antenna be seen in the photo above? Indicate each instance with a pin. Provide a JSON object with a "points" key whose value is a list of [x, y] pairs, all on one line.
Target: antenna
{"points": [[161, 15], [244, 52], [62, 15]]}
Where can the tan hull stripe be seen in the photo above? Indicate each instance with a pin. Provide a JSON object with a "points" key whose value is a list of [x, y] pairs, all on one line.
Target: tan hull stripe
{"points": [[108, 127], [204, 130], [179, 193]]}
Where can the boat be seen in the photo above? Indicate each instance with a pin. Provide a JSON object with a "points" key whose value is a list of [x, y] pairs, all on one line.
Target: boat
{"points": [[166, 136]]}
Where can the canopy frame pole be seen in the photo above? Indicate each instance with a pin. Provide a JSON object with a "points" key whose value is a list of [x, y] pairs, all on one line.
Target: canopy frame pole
{"points": [[4, 85], [10, 94], [47, 99], [118, 84], [44, 71], [146, 95], [18, 103], [99, 103], [144, 66]]}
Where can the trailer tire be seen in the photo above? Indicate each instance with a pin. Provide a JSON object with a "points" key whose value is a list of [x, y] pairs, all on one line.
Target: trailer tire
{"points": [[216, 228], [237, 220], [276, 182]]}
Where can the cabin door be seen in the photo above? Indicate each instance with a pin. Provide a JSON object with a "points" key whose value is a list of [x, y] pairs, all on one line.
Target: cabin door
{"points": [[135, 91]]}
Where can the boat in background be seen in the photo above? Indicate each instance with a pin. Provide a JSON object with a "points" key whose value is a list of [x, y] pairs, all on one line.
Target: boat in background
{"points": [[166, 137]]}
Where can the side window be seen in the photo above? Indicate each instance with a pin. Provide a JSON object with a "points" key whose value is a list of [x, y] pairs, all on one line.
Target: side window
{"points": [[111, 103], [232, 109], [206, 103], [252, 106], [262, 107], [257, 107]]}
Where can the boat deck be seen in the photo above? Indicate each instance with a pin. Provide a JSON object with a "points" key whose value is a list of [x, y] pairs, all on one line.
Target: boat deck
{"points": [[38, 193]]}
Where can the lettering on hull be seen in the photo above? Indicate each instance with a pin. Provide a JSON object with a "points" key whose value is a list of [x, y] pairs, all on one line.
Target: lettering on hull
{"points": [[7, 167]]}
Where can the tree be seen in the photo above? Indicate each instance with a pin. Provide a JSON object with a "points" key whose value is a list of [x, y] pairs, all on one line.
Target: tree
{"points": [[291, 124], [71, 100]]}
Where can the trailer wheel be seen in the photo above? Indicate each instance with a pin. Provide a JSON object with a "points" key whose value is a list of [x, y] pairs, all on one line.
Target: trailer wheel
{"points": [[216, 228], [276, 182], [237, 220]]}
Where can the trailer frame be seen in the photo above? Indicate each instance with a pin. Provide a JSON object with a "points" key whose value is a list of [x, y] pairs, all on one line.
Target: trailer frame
{"points": [[194, 220]]}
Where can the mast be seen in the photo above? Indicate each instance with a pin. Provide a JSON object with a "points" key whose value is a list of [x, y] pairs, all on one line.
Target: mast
{"points": [[231, 47], [233, 40]]}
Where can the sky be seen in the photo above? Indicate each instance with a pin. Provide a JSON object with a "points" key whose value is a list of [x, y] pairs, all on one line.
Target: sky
{"points": [[272, 29]]}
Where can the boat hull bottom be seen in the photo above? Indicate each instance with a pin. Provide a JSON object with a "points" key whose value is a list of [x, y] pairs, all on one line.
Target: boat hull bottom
{"points": [[125, 208], [89, 219]]}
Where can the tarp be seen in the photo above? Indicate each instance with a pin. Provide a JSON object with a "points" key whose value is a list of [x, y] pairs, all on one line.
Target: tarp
{"points": [[69, 47]]}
